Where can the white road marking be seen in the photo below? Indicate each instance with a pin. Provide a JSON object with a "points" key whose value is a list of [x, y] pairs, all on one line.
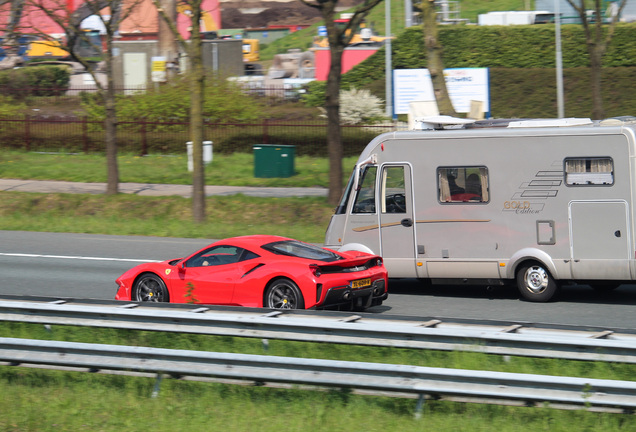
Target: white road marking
{"points": [[20, 255]]}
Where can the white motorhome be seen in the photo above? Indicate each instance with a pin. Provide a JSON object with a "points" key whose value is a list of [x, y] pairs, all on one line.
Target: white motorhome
{"points": [[539, 203]]}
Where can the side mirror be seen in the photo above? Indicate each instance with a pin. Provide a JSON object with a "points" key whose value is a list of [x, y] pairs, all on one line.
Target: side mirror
{"points": [[373, 159], [356, 178]]}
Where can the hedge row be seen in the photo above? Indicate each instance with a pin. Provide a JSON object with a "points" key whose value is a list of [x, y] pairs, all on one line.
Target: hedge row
{"points": [[532, 92], [497, 47], [35, 81], [521, 60]]}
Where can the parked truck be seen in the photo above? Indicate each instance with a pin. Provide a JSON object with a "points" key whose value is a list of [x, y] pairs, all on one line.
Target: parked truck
{"points": [[537, 203]]}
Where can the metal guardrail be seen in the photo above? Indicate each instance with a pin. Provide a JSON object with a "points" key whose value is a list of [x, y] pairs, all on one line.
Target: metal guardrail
{"points": [[457, 384], [367, 378], [503, 338]]}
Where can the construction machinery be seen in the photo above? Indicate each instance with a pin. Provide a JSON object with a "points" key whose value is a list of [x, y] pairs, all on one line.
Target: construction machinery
{"points": [[251, 56], [363, 36], [19, 48], [295, 64], [29, 50]]}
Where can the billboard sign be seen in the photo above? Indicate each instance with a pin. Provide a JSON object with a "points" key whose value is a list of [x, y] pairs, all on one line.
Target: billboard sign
{"points": [[464, 85]]}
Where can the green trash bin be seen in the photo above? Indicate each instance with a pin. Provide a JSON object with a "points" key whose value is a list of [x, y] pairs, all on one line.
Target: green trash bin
{"points": [[271, 160]]}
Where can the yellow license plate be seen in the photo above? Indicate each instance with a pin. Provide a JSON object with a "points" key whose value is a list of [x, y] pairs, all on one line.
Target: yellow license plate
{"points": [[361, 283]]}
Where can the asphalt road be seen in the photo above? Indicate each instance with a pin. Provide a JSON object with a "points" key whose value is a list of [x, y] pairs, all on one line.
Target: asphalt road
{"points": [[86, 266]]}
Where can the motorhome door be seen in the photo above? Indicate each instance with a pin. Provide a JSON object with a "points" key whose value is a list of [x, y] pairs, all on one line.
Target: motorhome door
{"points": [[599, 240], [397, 226]]}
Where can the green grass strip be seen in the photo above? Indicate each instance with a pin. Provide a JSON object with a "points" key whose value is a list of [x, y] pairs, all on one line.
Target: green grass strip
{"points": [[304, 218], [225, 170]]}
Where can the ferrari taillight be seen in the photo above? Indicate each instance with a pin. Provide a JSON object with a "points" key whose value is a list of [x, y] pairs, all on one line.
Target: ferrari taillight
{"points": [[315, 269]]}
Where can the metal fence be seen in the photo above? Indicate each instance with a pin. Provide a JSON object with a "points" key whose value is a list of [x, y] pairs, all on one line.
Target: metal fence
{"points": [[368, 378], [269, 95], [373, 378], [502, 338], [72, 134]]}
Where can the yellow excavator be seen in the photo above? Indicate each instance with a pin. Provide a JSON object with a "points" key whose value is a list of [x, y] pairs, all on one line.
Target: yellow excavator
{"points": [[363, 36], [17, 49]]}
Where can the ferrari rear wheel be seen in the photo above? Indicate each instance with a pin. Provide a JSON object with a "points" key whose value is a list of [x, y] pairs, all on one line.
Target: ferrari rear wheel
{"points": [[150, 288], [283, 294]]}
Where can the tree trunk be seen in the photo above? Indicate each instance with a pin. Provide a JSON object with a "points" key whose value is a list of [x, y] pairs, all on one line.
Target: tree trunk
{"points": [[596, 63], [338, 41], [197, 87], [112, 187], [167, 41], [334, 132], [434, 61], [597, 37]]}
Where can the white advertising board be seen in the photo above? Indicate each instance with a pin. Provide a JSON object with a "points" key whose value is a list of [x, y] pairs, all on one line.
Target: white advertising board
{"points": [[463, 84]]}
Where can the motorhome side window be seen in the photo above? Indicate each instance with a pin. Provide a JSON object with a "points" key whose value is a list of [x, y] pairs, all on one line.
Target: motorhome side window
{"points": [[589, 171], [365, 198], [463, 184]]}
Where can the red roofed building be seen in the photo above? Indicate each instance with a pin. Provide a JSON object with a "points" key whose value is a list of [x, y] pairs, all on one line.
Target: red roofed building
{"points": [[142, 20]]}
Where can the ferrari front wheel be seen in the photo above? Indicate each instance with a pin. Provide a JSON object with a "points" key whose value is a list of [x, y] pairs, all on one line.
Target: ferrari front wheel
{"points": [[283, 294], [150, 288]]}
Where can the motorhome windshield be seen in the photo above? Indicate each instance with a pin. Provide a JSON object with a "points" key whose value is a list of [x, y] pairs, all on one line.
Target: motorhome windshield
{"points": [[342, 206]]}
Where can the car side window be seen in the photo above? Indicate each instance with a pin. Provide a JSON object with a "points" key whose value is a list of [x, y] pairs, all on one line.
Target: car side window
{"points": [[248, 255], [216, 255]]}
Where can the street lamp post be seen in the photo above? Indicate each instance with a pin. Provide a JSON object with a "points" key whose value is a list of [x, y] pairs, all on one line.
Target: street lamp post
{"points": [[388, 60], [559, 60]]}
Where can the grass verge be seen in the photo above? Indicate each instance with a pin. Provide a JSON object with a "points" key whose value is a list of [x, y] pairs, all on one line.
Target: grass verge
{"points": [[304, 218], [236, 169]]}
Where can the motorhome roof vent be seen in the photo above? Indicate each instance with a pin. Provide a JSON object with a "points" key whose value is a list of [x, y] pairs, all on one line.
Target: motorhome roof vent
{"points": [[551, 123], [618, 121], [440, 122]]}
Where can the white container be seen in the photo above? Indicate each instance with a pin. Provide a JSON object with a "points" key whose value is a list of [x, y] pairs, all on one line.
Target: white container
{"points": [[207, 154]]}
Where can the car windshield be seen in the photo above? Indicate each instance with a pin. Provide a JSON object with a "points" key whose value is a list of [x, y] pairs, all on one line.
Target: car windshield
{"points": [[301, 250]]}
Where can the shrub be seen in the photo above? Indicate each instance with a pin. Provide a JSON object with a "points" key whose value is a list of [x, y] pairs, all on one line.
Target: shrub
{"points": [[45, 80], [359, 107], [223, 102], [9, 107]]}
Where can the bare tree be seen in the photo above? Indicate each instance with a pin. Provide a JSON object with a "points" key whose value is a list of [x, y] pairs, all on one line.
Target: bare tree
{"points": [[111, 13], [196, 74], [338, 38], [434, 61], [597, 39]]}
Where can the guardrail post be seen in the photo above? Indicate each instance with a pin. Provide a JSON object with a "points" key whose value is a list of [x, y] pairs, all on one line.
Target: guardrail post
{"points": [[421, 399], [155, 390]]}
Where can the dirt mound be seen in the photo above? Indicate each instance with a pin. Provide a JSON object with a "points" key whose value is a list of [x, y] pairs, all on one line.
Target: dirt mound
{"points": [[249, 14]]}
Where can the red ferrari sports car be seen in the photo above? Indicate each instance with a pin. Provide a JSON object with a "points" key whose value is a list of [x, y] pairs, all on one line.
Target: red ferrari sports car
{"points": [[261, 271]]}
